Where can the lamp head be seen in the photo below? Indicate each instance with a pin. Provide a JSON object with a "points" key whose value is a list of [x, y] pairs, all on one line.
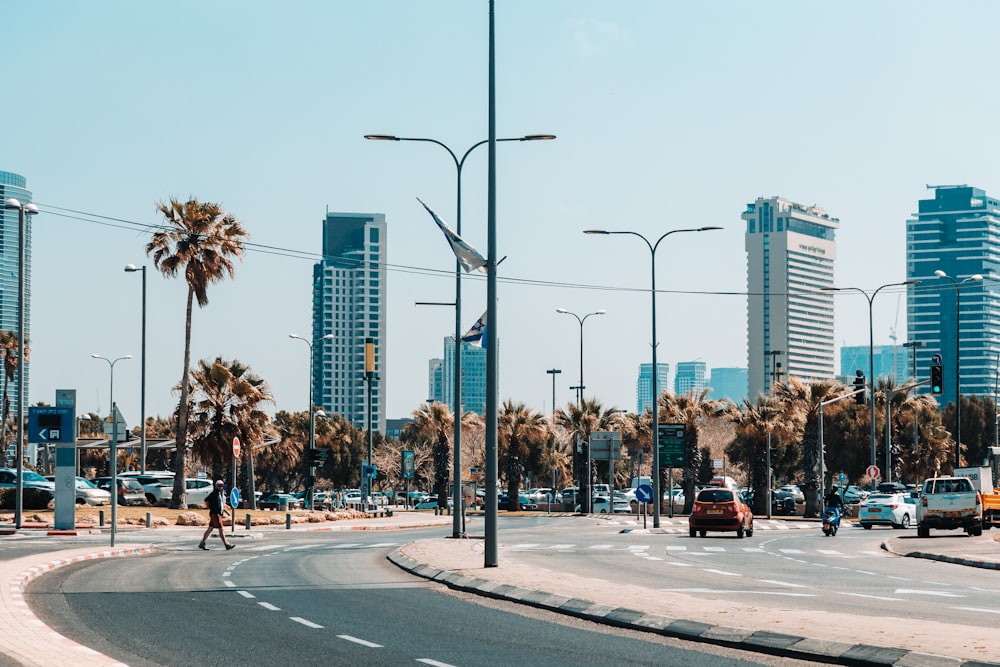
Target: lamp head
{"points": [[940, 274], [127, 356], [328, 337], [976, 277], [12, 204], [131, 268], [295, 336], [538, 137], [600, 312], [562, 310], [30, 209], [595, 231], [96, 356], [708, 229], [381, 137]]}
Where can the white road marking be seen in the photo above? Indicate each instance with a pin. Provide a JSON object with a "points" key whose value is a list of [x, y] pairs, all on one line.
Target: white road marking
{"points": [[829, 552], [602, 546], [872, 597], [714, 549], [229, 584], [381, 545], [917, 591], [753, 550], [652, 557], [247, 594], [266, 547], [348, 545], [723, 573], [524, 546], [676, 548], [304, 546], [268, 605], [676, 564], [791, 551], [434, 663], [725, 592], [359, 641], [308, 624], [782, 583], [562, 546], [979, 610], [639, 547]]}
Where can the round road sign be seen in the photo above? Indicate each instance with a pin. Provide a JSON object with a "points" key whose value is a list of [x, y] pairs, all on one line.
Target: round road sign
{"points": [[873, 472], [236, 447], [234, 497], [644, 493]]}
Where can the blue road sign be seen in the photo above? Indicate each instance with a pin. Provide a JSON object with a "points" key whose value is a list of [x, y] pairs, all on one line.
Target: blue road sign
{"points": [[234, 497], [644, 493], [48, 425]]}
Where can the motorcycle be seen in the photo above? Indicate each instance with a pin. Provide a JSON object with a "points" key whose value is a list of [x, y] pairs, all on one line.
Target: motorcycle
{"points": [[831, 521]]}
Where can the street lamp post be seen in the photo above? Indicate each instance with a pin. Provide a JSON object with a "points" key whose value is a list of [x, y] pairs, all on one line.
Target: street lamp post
{"points": [[775, 366], [871, 350], [23, 211], [656, 403], [310, 477], [958, 347], [553, 372], [132, 268], [457, 434], [111, 364], [584, 485]]}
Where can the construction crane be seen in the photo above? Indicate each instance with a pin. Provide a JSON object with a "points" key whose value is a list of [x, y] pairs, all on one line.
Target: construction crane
{"points": [[892, 337]]}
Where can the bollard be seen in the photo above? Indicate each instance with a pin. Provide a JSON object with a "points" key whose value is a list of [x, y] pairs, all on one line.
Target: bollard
{"points": [[288, 521], [149, 519], [101, 516], [248, 521]]}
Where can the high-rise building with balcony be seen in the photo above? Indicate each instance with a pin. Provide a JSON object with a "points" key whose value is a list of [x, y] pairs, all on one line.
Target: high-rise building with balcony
{"points": [[957, 232], [14, 186], [791, 250], [349, 297]]}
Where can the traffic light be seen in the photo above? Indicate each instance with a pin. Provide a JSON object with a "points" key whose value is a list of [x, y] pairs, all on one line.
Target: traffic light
{"points": [[317, 457], [859, 386], [937, 381]]}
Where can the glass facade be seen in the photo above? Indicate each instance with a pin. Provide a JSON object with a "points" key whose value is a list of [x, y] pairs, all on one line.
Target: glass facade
{"points": [[728, 383], [349, 297], [15, 186], [689, 376], [473, 377], [958, 232], [891, 361], [644, 385]]}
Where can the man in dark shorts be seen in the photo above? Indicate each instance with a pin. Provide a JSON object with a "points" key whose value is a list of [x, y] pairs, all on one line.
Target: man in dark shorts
{"points": [[216, 512]]}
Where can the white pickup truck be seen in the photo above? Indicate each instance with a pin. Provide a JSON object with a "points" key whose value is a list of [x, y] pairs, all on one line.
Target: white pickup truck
{"points": [[948, 503]]}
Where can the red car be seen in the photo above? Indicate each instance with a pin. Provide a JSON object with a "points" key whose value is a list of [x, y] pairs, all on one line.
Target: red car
{"points": [[720, 509]]}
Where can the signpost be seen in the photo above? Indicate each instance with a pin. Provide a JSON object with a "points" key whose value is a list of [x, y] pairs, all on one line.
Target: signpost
{"points": [[604, 446], [234, 496], [873, 472], [670, 441], [644, 494]]}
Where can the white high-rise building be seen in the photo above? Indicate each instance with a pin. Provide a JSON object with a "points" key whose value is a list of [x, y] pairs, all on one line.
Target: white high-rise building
{"points": [[349, 296], [791, 250]]}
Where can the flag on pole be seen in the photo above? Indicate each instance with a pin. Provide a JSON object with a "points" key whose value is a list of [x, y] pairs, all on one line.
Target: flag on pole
{"points": [[477, 334], [466, 254]]}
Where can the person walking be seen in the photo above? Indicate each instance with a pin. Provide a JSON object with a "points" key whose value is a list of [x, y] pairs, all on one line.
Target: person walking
{"points": [[216, 511]]}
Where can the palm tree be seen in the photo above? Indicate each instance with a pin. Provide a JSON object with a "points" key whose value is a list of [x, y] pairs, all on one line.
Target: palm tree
{"points": [[520, 431], [577, 423], [9, 343], [804, 401], [692, 410], [758, 424], [200, 241], [635, 429], [433, 424], [226, 398]]}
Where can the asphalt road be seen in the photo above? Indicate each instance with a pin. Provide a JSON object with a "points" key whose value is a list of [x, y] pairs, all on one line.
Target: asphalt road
{"points": [[333, 599]]}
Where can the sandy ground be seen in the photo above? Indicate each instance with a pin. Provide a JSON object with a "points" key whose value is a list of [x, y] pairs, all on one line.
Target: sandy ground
{"points": [[957, 641]]}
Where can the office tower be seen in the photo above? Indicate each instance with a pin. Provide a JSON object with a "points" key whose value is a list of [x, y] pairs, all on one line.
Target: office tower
{"points": [[473, 377], [349, 297], [689, 376], [435, 380], [644, 385], [728, 383], [15, 186], [958, 232], [791, 250], [890, 361]]}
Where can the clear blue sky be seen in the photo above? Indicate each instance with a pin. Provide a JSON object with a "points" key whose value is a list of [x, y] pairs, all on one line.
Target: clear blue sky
{"points": [[668, 115]]}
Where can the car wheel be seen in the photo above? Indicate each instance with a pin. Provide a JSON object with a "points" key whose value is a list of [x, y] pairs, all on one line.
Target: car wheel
{"points": [[923, 531], [604, 511], [976, 531], [866, 526], [703, 533], [750, 530], [151, 498], [81, 501], [692, 531], [905, 523], [739, 532]]}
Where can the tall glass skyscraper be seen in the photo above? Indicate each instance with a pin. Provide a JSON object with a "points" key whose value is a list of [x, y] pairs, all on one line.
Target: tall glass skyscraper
{"points": [[644, 385], [14, 185], [891, 361], [349, 296], [791, 250], [689, 376], [728, 383], [958, 232], [441, 382]]}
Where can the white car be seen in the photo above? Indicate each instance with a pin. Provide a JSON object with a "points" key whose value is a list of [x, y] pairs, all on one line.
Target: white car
{"points": [[898, 510], [601, 505], [794, 491]]}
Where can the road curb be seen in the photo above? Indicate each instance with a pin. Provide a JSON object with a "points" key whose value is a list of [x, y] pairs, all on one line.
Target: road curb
{"points": [[761, 641]]}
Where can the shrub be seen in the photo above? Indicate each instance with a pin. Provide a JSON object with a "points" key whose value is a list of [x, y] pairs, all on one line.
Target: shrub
{"points": [[32, 499]]}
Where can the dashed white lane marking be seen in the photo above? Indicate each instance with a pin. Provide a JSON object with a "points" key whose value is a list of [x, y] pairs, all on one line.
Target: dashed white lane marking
{"points": [[783, 583], [347, 545], [677, 564], [247, 594], [917, 591], [229, 584], [791, 551], [714, 549], [650, 557], [266, 547], [308, 624], [671, 547], [639, 547], [360, 641], [304, 546], [872, 597], [524, 546], [830, 552], [268, 605], [602, 546], [979, 610], [754, 550], [562, 546], [434, 663], [723, 573]]}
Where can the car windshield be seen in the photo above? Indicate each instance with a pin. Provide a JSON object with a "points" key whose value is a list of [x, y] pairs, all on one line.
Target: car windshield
{"points": [[85, 484], [32, 476], [715, 496]]}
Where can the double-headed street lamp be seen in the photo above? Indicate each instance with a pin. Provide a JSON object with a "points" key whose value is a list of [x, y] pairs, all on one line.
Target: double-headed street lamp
{"points": [[114, 416], [132, 268], [584, 485], [656, 399], [457, 444], [312, 420], [871, 349], [958, 348], [23, 211]]}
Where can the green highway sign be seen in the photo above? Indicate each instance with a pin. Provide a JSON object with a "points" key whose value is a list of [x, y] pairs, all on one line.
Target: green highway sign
{"points": [[671, 444]]}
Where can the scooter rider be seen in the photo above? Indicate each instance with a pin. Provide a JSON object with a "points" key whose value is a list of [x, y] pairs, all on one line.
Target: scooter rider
{"points": [[833, 499]]}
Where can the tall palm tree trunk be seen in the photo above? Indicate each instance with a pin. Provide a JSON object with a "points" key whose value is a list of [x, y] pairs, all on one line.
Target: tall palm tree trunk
{"points": [[179, 499]]}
